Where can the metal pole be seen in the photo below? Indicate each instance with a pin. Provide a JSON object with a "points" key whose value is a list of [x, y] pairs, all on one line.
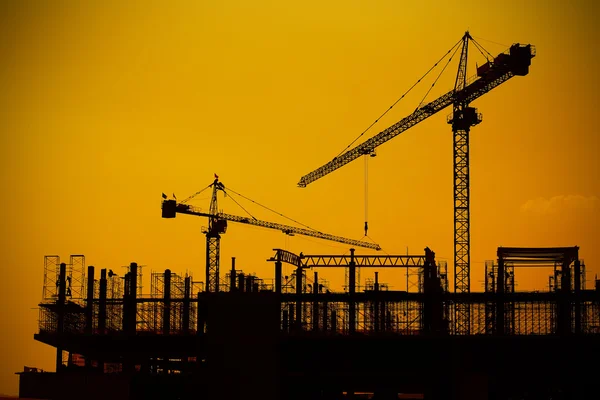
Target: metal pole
{"points": [[298, 300], [315, 316], [500, 283], [577, 288], [62, 289], [90, 302], [186, 304], [232, 276], [278, 277], [89, 315], [167, 303], [376, 302], [351, 290]]}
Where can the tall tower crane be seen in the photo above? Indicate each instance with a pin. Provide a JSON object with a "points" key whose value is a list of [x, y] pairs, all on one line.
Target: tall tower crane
{"points": [[217, 225], [514, 62]]}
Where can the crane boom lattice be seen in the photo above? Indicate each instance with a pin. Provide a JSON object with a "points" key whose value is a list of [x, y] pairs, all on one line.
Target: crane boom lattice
{"points": [[515, 62]]}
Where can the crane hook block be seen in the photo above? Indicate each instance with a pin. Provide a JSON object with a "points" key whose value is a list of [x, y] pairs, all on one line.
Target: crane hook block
{"points": [[366, 227]]}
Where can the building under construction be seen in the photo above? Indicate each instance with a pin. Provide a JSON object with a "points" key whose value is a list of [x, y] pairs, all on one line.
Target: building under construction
{"points": [[293, 337]]}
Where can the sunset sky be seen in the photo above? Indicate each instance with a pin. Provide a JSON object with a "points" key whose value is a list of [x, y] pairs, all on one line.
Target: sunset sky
{"points": [[105, 105]]}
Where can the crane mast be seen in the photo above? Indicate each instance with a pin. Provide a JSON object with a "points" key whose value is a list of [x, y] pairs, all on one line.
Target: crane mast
{"points": [[217, 225], [462, 118], [514, 62]]}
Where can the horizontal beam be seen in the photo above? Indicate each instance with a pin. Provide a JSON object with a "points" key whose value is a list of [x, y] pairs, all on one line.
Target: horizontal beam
{"points": [[363, 261]]}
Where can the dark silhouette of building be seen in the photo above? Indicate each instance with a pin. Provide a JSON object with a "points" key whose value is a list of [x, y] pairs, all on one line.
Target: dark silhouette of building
{"points": [[295, 338]]}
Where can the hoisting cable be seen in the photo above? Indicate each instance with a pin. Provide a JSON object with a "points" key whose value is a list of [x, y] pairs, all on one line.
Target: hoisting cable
{"points": [[194, 195], [499, 44], [483, 51], [401, 97], [436, 79], [235, 201], [278, 213], [366, 156]]}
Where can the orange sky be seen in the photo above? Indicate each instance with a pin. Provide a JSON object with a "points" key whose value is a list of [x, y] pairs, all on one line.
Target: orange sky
{"points": [[104, 106]]}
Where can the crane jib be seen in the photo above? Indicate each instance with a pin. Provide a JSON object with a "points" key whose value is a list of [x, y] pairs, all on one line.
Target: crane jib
{"points": [[170, 208], [490, 75]]}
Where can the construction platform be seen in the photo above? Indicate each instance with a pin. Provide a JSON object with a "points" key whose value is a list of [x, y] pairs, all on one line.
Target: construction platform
{"points": [[293, 337]]}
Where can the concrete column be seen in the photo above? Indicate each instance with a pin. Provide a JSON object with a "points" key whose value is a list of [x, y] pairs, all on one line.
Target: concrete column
{"points": [[325, 315], [298, 300], [249, 283], [60, 307], [334, 321], [577, 284], [232, 276], [102, 311], [201, 317], [352, 291], [500, 285], [89, 315], [278, 277], [564, 300], [241, 282], [186, 304], [89, 312], [376, 302], [167, 303], [315, 310], [286, 320]]}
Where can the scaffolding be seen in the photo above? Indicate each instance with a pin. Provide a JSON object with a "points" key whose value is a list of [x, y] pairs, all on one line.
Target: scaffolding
{"points": [[308, 303]]}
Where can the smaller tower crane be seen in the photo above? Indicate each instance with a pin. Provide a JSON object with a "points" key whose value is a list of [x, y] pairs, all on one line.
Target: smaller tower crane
{"points": [[217, 225]]}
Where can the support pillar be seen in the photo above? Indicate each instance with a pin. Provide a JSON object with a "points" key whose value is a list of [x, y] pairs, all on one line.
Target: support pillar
{"points": [[186, 304], [249, 283], [102, 311], [564, 305], [334, 321], [232, 276], [577, 289], [278, 277], [352, 291], [500, 285], [102, 303], [376, 303], [285, 318], [60, 306], [201, 316], [298, 298], [325, 314], [167, 303], [89, 312], [315, 310], [241, 282]]}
